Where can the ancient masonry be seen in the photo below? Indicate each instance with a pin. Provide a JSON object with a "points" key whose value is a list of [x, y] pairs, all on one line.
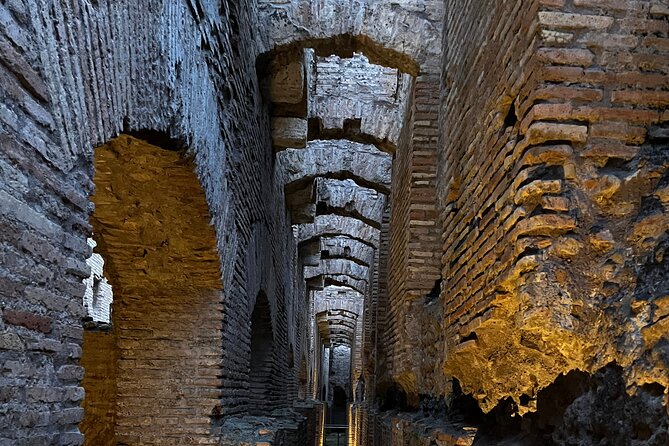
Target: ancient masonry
{"points": [[287, 222]]}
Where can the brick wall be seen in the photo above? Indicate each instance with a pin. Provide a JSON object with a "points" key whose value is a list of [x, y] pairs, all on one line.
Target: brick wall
{"points": [[414, 250], [152, 224], [482, 76], [393, 338], [99, 359], [376, 355], [547, 167], [75, 75]]}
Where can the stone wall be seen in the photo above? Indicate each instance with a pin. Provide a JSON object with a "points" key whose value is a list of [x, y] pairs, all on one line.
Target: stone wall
{"points": [[403, 34], [74, 76], [363, 100], [99, 359], [477, 169], [98, 296], [526, 235], [553, 217], [551, 193], [414, 256]]}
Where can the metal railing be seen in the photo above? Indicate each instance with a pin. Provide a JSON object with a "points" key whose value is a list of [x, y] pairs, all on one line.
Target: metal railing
{"points": [[336, 435]]}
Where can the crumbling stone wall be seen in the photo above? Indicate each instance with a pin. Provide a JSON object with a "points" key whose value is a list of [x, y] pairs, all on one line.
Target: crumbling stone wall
{"points": [[402, 35], [477, 176], [553, 226], [548, 158], [74, 76], [361, 100], [546, 193]]}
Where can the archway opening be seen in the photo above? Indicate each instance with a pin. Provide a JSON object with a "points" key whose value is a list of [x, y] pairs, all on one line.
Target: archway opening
{"points": [[154, 375], [302, 387], [261, 390], [339, 403]]}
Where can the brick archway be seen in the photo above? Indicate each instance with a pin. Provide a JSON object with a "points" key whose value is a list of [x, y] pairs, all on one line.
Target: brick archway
{"points": [[262, 392], [162, 357]]}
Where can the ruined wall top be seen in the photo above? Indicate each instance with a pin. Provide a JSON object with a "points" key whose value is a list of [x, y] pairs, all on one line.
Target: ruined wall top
{"points": [[404, 34]]}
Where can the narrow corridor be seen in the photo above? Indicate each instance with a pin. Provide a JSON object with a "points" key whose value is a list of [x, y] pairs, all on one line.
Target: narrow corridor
{"points": [[334, 222]]}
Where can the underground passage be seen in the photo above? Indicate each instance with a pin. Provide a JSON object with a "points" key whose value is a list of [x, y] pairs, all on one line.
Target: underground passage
{"points": [[334, 222]]}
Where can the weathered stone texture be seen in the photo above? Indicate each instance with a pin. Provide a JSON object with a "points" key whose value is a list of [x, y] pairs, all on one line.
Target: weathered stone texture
{"points": [[354, 93], [403, 34], [545, 193], [341, 159], [477, 185], [99, 296], [347, 247], [470, 196], [73, 76], [334, 225]]}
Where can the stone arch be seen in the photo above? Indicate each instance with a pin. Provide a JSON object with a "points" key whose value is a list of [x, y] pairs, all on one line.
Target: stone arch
{"points": [[321, 282], [262, 358], [152, 224], [342, 45], [337, 325], [338, 247], [338, 267], [350, 130], [346, 198], [354, 99], [346, 247], [323, 196], [323, 98], [392, 35], [346, 282], [335, 225], [393, 395], [337, 159]]}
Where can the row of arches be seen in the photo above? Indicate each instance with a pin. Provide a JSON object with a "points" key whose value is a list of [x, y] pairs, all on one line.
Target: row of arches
{"points": [[153, 228], [161, 355], [152, 225], [340, 150]]}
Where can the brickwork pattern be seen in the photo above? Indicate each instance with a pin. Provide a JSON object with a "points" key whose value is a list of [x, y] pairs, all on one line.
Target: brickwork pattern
{"points": [[100, 362], [545, 189], [152, 223], [414, 254], [73, 76]]}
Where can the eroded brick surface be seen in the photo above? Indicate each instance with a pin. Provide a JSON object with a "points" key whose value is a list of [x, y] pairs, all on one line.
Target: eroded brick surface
{"points": [[456, 211]]}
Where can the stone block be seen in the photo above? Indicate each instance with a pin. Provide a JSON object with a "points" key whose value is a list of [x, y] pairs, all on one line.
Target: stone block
{"points": [[288, 84], [11, 341], [29, 320], [70, 373], [571, 21], [289, 132]]}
